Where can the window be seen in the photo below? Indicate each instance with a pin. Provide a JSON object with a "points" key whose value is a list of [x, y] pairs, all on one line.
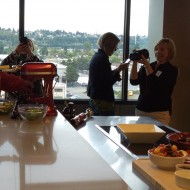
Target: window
{"points": [[65, 32], [138, 36], [9, 26]]}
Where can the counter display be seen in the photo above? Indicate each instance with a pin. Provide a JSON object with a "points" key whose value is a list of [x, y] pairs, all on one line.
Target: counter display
{"points": [[102, 134]]}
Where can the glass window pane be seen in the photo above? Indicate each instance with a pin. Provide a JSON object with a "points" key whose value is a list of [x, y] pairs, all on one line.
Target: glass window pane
{"points": [[65, 32], [9, 14], [9, 24], [138, 36]]}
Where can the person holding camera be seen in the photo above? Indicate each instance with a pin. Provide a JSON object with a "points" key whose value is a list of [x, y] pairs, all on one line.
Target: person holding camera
{"points": [[156, 82], [24, 53], [102, 77]]}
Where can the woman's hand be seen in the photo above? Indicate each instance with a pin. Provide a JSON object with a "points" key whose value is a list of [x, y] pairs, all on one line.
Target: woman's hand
{"points": [[23, 48], [143, 61], [122, 66]]}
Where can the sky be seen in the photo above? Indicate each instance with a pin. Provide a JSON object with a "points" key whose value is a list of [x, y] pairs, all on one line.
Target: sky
{"points": [[91, 16]]}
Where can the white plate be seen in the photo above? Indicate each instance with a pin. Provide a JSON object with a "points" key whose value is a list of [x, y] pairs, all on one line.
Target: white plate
{"points": [[141, 133]]}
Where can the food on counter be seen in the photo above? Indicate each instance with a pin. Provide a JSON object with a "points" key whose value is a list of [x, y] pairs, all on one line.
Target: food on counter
{"points": [[6, 106], [168, 150], [166, 156], [181, 140], [33, 114]]}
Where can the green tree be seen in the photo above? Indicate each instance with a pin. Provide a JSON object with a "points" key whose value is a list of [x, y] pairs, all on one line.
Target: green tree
{"points": [[44, 51], [1, 48], [71, 73]]}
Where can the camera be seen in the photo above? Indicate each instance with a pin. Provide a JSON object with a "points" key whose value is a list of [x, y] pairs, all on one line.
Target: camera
{"points": [[24, 40], [136, 55]]}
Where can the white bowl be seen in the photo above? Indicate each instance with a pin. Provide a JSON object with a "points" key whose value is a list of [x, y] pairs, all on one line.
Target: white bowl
{"points": [[166, 163], [141, 133], [183, 167], [182, 178]]}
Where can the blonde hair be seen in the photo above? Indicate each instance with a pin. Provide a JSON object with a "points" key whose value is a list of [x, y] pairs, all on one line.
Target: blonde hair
{"points": [[170, 46], [108, 42]]}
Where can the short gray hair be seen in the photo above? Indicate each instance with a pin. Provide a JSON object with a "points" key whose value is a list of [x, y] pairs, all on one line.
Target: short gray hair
{"points": [[108, 41]]}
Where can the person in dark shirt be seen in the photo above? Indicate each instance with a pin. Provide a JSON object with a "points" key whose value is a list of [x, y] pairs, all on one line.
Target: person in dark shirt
{"points": [[156, 82], [102, 77]]}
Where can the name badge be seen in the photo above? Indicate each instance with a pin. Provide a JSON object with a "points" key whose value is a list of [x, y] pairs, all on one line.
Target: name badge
{"points": [[158, 73]]}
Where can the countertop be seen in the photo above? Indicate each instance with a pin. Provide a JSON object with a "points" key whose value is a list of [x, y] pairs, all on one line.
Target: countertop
{"points": [[115, 154], [52, 155]]}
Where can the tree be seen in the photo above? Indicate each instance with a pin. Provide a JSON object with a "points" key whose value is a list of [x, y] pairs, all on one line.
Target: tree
{"points": [[71, 73]]}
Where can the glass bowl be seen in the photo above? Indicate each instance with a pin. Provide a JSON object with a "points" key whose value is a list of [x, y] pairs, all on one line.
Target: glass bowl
{"points": [[6, 106], [32, 112]]}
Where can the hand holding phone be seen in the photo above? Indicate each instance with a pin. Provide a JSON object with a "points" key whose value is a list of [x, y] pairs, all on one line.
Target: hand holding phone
{"points": [[123, 66], [127, 60]]}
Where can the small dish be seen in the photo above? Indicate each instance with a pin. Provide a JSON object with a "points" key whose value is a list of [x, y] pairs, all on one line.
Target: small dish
{"points": [[182, 178], [182, 167]]}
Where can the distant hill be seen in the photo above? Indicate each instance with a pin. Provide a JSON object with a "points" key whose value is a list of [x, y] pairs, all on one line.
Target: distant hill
{"points": [[58, 39]]}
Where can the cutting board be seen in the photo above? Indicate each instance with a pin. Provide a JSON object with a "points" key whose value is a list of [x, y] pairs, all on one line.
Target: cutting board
{"points": [[161, 179]]}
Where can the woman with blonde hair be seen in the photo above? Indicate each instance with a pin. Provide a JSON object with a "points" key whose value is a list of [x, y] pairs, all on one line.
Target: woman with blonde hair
{"points": [[156, 82], [102, 77]]}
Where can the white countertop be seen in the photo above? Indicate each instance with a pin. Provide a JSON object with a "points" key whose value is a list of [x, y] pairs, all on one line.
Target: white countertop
{"points": [[51, 155]]}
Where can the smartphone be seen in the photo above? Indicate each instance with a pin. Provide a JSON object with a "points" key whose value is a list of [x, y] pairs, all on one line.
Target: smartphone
{"points": [[127, 60]]}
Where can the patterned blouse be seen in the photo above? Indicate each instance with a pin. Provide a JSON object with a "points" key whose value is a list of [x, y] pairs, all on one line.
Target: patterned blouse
{"points": [[19, 59]]}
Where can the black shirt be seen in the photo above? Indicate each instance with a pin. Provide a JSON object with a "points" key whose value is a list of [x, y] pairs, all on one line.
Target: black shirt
{"points": [[156, 89], [101, 77]]}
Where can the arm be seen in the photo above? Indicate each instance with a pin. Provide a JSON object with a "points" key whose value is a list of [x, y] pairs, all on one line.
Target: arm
{"points": [[134, 73], [11, 83]]}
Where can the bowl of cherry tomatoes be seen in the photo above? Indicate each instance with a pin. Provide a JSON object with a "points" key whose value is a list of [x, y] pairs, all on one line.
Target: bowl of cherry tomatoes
{"points": [[167, 156]]}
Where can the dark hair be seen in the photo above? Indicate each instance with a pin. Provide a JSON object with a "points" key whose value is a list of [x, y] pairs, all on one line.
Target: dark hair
{"points": [[27, 41]]}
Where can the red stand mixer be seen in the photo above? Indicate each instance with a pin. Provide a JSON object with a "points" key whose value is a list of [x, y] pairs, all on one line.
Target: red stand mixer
{"points": [[46, 71]]}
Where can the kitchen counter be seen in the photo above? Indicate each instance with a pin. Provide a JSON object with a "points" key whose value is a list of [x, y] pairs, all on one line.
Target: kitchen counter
{"points": [[52, 155], [118, 156]]}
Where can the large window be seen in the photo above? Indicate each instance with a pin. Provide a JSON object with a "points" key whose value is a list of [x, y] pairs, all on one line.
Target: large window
{"points": [[138, 36], [65, 32]]}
